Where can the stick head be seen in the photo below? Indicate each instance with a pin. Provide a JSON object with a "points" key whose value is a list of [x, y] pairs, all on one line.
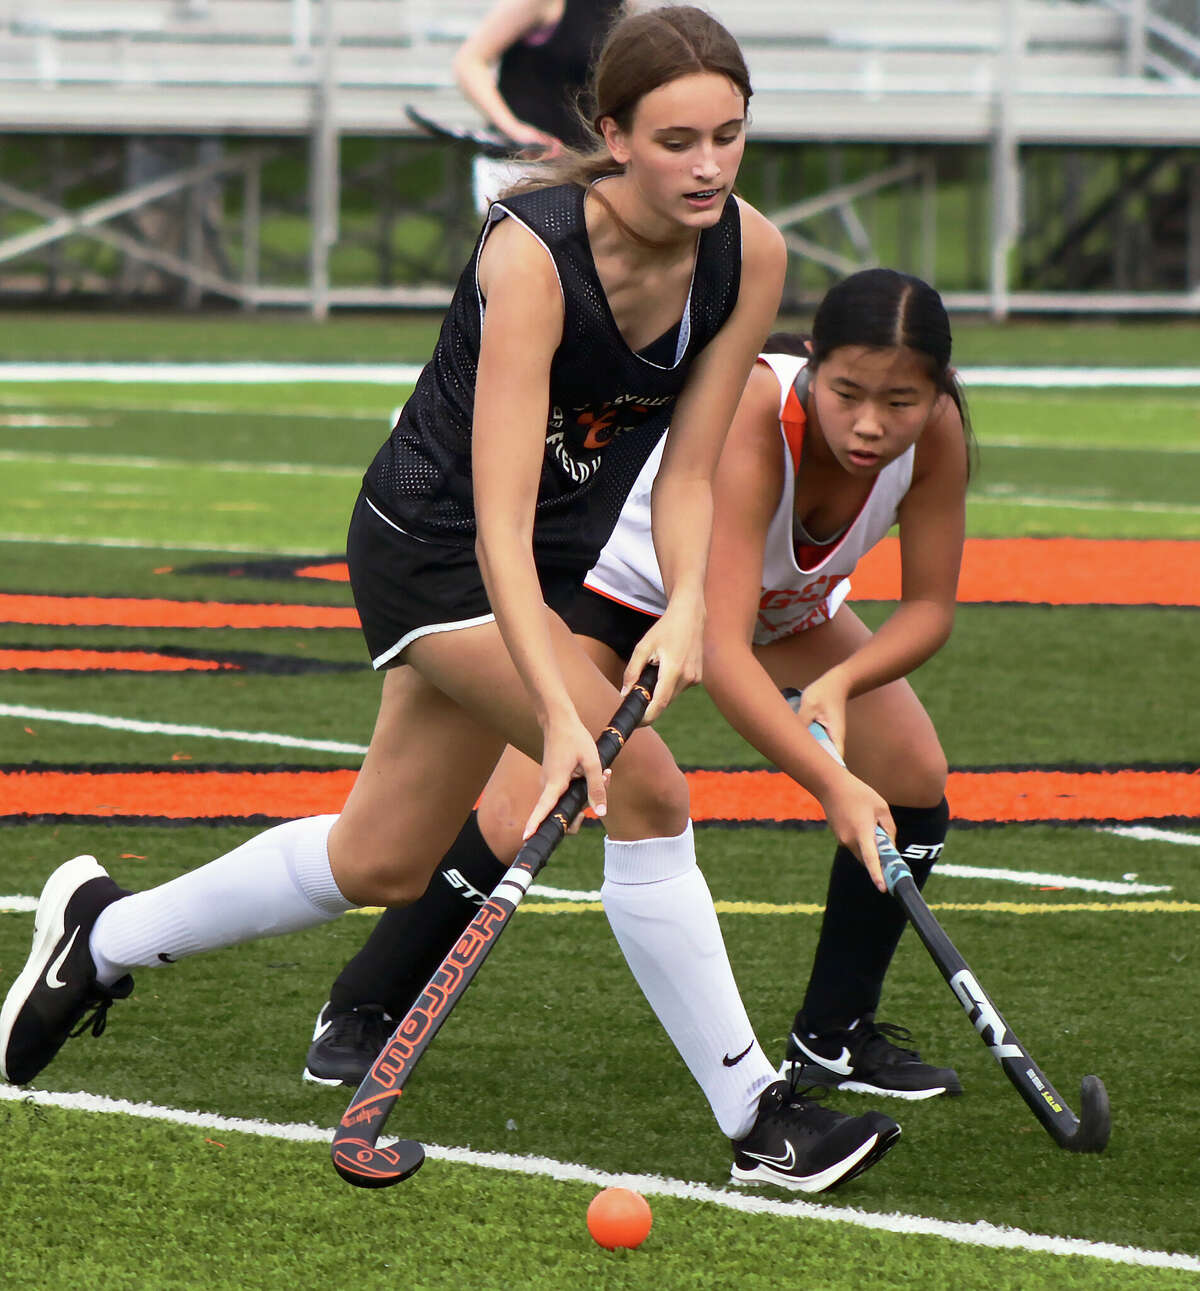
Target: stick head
{"points": [[1095, 1120], [366, 1166]]}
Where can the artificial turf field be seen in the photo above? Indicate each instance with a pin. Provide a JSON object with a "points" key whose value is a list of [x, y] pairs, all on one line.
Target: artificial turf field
{"points": [[152, 711]]}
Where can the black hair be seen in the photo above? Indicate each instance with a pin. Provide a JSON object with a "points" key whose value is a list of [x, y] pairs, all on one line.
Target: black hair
{"points": [[885, 309], [797, 343]]}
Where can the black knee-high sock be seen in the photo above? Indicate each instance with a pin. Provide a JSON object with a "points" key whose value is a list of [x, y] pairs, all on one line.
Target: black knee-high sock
{"points": [[407, 944], [862, 925]]}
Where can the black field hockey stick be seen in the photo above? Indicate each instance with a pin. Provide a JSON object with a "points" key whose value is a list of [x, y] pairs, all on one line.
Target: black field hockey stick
{"points": [[487, 142], [356, 1154], [1087, 1132]]}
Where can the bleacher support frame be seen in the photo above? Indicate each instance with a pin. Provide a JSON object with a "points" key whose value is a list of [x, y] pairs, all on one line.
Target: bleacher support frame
{"points": [[1005, 76]]}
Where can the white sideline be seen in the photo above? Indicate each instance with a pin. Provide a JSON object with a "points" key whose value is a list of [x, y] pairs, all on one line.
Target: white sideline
{"points": [[215, 373], [976, 1234], [407, 373], [32, 714]]}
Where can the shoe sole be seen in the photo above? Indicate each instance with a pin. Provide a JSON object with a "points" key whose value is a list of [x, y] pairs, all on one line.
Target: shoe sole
{"points": [[809, 1075], [313, 1079], [862, 1158], [883, 1145], [49, 924]]}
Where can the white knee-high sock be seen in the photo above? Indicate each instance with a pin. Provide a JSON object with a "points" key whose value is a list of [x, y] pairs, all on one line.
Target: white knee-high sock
{"points": [[278, 882], [659, 908]]}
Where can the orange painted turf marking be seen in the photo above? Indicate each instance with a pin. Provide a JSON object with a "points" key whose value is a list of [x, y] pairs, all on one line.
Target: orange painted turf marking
{"points": [[128, 612], [104, 661], [1053, 571], [716, 795], [1040, 571], [973, 795], [334, 571]]}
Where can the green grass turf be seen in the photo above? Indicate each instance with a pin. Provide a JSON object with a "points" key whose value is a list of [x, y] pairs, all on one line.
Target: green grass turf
{"points": [[235, 476], [985, 692], [391, 337], [611, 1094], [555, 1038], [163, 572], [181, 426], [234, 1212]]}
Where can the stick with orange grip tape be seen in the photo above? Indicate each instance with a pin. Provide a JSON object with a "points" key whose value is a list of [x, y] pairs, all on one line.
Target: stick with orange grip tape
{"points": [[357, 1156]]}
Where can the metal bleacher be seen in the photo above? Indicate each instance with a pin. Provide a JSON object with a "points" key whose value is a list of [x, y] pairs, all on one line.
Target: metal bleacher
{"points": [[998, 75]]}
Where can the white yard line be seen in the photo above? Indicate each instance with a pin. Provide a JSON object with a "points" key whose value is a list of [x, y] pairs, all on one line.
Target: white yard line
{"points": [[977, 1234], [947, 869], [32, 714], [138, 544], [998, 495], [1081, 504], [1068, 378], [1149, 834], [167, 404], [1028, 878], [180, 464], [1029, 444], [406, 373], [213, 373], [562, 894]]}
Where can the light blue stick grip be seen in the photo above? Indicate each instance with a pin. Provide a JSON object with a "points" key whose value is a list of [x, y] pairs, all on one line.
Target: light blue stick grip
{"points": [[894, 866]]}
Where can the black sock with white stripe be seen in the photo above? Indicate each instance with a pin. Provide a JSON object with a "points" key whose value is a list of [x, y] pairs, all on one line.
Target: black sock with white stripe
{"points": [[862, 925], [407, 944]]}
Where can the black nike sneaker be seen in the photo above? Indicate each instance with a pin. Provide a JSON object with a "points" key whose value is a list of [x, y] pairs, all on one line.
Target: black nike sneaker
{"points": [[345, 1045], [797, 1143], [863, 1059], [50, 1001]]}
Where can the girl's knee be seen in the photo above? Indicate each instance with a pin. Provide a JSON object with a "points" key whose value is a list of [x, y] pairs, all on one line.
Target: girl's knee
{"points": [[501, 820], [648, 796], [376, 870], [928, 774], [906, 763]]}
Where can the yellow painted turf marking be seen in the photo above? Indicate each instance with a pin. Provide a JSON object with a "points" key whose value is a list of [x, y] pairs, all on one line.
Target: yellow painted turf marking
{"points": [[25, 904], [800, 907]]}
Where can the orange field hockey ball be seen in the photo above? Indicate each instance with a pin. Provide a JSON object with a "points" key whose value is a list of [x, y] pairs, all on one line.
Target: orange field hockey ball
{"points": [[619, 1217]]}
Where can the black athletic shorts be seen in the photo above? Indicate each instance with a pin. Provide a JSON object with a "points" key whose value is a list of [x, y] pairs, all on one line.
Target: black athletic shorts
{"points": [[405, 588], [619, 626]]}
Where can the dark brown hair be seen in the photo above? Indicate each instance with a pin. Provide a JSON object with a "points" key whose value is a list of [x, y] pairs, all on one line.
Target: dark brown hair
{"points": [[642, 52]]}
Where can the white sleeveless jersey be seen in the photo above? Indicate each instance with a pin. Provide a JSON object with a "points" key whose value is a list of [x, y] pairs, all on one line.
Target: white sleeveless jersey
{"points": [[799, 589]]}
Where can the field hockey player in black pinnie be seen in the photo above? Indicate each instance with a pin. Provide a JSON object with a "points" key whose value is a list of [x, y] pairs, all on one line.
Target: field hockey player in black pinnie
{"points": [[837, 438], [634, 272]]}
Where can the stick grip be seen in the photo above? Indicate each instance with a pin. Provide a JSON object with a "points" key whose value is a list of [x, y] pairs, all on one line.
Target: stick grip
{"points": [[537, 848]]}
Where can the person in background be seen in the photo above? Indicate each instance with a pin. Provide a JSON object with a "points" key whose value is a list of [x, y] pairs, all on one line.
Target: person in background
{"points": [[524, 67]]}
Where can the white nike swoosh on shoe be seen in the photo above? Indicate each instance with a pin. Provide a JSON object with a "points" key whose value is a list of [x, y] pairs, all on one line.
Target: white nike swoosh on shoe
{"points": [[54, 979], [323, 1024], [785, 1162], [841, 1064]]}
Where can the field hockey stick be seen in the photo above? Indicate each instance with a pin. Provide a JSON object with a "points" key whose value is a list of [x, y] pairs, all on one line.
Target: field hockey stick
{"points": [[356, 1154], [1087, 1132], [487, 142]]}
